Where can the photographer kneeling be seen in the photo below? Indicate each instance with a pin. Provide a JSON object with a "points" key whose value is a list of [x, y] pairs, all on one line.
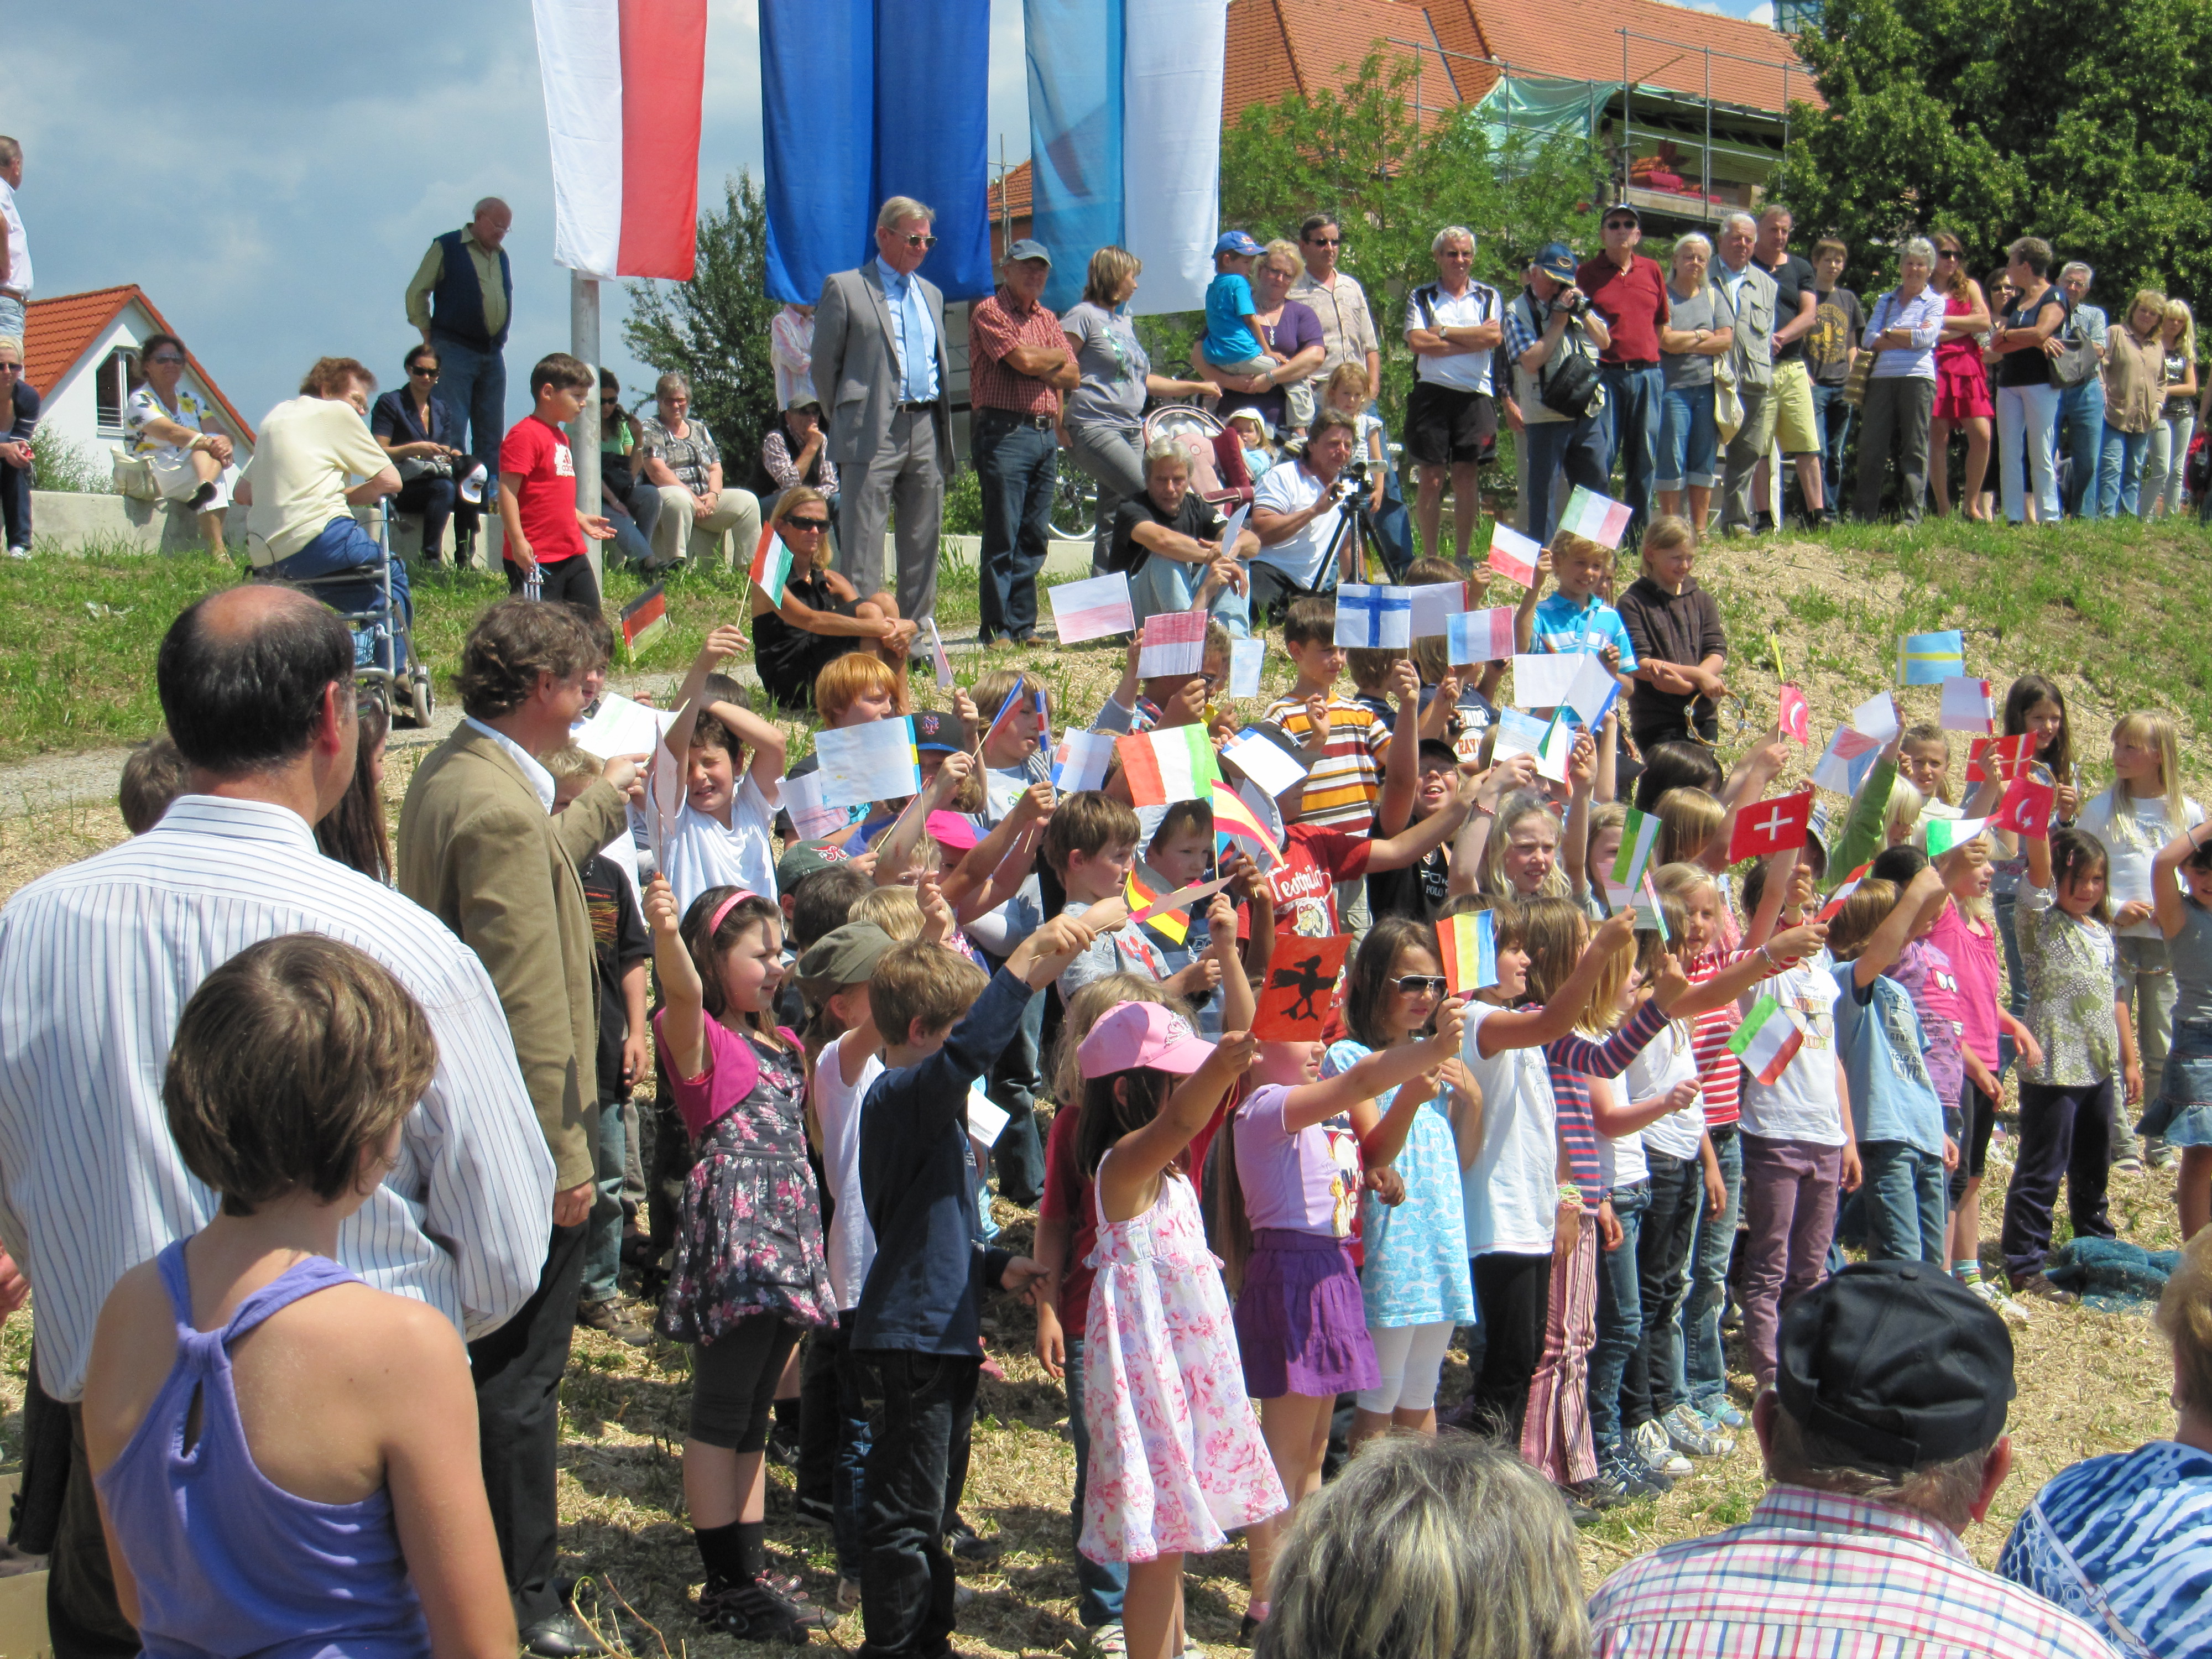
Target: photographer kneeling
{"points": [[1296, 512], [1554, 337]]}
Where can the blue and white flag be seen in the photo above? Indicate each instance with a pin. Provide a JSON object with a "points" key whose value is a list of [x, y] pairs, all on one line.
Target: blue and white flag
{"points": [[1374, 618]]}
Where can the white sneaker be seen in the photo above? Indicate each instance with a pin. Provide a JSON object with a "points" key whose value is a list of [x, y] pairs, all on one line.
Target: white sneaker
{"points": [[1652, 1448], [1694, 1435], [19, 552]]}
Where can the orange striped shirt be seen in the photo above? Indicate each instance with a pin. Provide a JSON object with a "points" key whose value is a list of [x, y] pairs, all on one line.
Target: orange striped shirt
{"points": [[1341, 788]]}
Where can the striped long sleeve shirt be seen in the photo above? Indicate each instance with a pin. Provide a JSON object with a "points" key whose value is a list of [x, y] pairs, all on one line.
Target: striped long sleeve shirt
{"points": [[97, 962], [1574, 1060]]}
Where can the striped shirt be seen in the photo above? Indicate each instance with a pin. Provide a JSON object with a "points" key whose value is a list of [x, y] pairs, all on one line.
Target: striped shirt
{"points": [[1814, 1573], [97, 962], [1720, 1073], [1574, 1060], [1341, 788]]}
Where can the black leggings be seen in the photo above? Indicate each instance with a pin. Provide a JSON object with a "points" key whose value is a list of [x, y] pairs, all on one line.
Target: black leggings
{"points": [[568, 580], [1515, 1293], [733, 1381]]}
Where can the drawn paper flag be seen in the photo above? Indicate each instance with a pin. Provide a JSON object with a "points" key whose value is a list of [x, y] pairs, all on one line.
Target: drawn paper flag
{"points": [[1930, 658], [1159, 908], [1592, 693], [1512, 553], [1767, 1041], [1994, 760], [1435, 604], [870, 762], [1549, 741], [1172, 763], [1374, 618], [619, 727], [1477, 636], [1236, 823], [1555, 748], [1082, 760], [664, 801], [1596, 517], [1543, 681], [936, 655], [1875, 718], [809, 819], [771, 566], [1295, 997], [1006, 708], [1639, 836], [1794, 716], [1175, 643], [1469, 946], [1650, 914], [2027, 807], [1967, 706], [1945, 834], [1144, 888], [1235, 528], [1844, 889], [1246, 659], [1263, 760], [1771, 826], [1850, 757], [1094, 609], [645, 619], [987, 1120]]}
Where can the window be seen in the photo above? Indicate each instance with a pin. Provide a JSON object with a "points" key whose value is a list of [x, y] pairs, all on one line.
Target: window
{"points": [[111, 386]]}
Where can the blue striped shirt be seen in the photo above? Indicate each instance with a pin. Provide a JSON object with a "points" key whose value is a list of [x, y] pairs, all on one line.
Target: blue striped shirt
{"points": [[97, 962]]}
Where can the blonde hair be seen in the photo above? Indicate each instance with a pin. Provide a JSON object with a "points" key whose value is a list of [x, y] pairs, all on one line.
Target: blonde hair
{"points": [[2181, 308], [1679, 881], [897, 910], [1282, 247], [1613, 815], [2185, 1314], [1347, 376], [2156, 730], [1106, 284], [1866, 909], [1521, 805], [2145, 296], [1689, 818], [1556, 933], [1931, 732], [1904, 810], [1665, 532]]}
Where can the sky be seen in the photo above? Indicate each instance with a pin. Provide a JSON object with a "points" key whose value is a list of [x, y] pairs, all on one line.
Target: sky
{"points": [[270, 172]]}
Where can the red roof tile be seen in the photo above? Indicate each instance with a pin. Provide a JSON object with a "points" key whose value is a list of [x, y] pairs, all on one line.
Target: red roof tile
{"points": [[61, 330], [1011, 195], [1537, 36]]}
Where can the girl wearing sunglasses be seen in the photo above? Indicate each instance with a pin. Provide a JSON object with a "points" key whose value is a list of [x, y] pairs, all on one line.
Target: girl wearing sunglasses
{"points": [[821, 615]]}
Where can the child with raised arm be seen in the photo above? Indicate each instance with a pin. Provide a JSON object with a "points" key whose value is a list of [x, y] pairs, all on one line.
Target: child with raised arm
{"points": [[285, 1459], [2181, 885], [721, 836]]}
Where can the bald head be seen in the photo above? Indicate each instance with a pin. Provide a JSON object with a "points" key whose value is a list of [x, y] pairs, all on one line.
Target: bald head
{"points": [[490, 220], [248, 675]]}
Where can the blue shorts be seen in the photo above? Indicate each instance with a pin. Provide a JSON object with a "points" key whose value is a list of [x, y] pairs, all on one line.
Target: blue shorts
{"points": [[2183, 1111]]}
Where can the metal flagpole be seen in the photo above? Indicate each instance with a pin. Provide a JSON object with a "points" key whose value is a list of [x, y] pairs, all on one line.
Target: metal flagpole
{"points": [[584, 436]]}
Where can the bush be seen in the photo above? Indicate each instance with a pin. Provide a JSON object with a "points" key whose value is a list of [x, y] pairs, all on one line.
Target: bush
{"points": [[964, 504], [59, 464]]}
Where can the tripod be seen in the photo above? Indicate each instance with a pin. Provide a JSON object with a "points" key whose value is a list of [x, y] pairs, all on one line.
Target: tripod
{"points": [[1355, 523]]}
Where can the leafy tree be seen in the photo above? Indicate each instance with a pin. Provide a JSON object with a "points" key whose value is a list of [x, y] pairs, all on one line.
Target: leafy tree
{"points": [[2000, 118], [714, 330], [1394, 182]]}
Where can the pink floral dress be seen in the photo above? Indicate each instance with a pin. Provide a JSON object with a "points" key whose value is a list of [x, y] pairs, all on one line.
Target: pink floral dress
{"points": [[1176, 1458]]}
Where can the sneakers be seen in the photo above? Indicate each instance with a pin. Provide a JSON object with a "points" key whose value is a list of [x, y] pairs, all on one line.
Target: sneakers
{"points": [[19, 552], [1620, 1480], [1657, 1454], [1692, 1435], [609, 1315], [1721, 1412], [2128, 1164], [848, 1594], [963, 1543], [1103, 1642], [757, 1612], [2161, 1156]]}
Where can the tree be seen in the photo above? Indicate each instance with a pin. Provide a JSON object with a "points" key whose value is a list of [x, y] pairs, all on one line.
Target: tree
{"points": [[2000, 118], [714, 330], [1394, 182]]}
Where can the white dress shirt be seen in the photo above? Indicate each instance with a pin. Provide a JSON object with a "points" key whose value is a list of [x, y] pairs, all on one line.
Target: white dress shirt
{"points": [[97, 962], [533, 773]]}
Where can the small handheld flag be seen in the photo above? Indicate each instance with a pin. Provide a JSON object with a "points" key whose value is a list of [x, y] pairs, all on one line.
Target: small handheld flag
{"points": [[1947, 834], [1794, 716], [1513, 555], [1233, 821], [1480, 636], [1295, 997], [1997, 760], [1468, 947], [1930, 658], [1435, 604], [1168, 763], [1844, 889], [1639, 834], [1246, 659], [2027, 807], [1144, 890], [1650, 913], [1848, 757], [771, 567], [1967, 706], [1082, 760], [645, 619], [1767, 1041], [1374, 618], [1596, 518], [1771, 826], [1173, 643], [936, 654]]}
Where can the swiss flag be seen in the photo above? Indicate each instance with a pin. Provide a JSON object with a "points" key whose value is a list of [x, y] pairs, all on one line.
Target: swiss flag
{"points": [[1772, 826], [2027, 807], [1796, 716]]}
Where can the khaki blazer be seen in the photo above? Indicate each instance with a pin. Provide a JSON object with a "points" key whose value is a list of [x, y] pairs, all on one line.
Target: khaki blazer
{"points": [[478, 849]]}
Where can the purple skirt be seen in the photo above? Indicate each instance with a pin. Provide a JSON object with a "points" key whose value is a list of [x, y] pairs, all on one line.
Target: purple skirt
{"points": [[1301, 1326]]}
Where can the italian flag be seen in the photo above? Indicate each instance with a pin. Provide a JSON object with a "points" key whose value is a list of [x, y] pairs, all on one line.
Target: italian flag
{"points": [[1172, 763], [1767, 1041], [771, 566]]}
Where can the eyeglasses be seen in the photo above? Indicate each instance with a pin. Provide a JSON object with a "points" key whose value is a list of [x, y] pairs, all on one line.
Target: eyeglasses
{"points": [[1324, 241], [7, 367], [1415, 985], [1947, 253], [165, 357], [922, 241], [421, 372], [1622, 224], [811, 526]]}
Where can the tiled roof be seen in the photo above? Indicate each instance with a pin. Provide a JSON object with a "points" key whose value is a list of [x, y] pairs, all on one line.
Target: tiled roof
{"points": [[1014, 200], [1537, 37], [1281, 46], [60, 331]]}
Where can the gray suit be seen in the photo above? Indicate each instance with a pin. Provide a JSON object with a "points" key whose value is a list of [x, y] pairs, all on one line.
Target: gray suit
{"points": [[886, 453], [1752, 356]]}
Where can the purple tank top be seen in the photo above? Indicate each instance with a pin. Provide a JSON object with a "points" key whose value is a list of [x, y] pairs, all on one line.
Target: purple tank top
{"points": [[226, 1563]]}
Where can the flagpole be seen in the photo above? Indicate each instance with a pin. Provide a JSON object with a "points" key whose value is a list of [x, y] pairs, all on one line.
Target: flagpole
{"points": [[584, 434]]}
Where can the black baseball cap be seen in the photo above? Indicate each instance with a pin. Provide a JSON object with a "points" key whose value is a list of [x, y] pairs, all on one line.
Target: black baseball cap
{"points": [[1899, 1361], [1437, 750], [945, 733]]}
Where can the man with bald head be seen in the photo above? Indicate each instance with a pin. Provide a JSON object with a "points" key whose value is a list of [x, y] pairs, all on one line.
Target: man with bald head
{"points": [[97, 962], [461, 301]]}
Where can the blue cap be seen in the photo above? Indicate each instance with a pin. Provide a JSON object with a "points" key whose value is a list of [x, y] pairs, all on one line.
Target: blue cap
{"points": [[1235, 241], [1029, 248], [1557, 261]]}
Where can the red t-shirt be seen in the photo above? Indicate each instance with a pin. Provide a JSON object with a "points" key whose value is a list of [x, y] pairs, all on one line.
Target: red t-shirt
{"points": [[536, 456], [1314, 861], [1068, 1196], [1633, 303]]}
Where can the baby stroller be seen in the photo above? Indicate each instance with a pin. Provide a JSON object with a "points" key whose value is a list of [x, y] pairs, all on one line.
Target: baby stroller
{"points": [[1218, 472], [385, 663]]}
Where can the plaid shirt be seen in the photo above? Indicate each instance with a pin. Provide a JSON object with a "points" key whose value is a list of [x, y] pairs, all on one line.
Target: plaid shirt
{"points": [[1812, 1573], [994, 328]]}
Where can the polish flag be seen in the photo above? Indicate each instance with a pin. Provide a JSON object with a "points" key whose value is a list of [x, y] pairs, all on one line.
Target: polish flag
{"points": [[623, 81]]}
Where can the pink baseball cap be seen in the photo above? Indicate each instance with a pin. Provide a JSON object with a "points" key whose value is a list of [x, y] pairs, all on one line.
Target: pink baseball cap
{"points": [[1133, 1033], [952, 831]]}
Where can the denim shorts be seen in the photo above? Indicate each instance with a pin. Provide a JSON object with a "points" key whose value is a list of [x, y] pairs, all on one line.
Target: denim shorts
{"points": [[2183, 1111]]}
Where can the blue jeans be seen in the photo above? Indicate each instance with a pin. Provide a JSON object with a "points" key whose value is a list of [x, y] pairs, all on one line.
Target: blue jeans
{"points": [[11, 317], [603, 1231], [344, 545], [15, 503], [1578, 446], [1170, 585], [473, 386], [1102, 1583], [1634, 396], [1620, 1314], [2082, 433], [2119, 472], [1905, 1202], [1017, 465], [1705, 1365], [1689, 442], [1833, 415]]}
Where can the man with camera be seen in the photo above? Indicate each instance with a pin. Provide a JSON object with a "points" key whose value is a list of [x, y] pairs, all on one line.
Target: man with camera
{"points": [[1297, 512], [1554, 337]]}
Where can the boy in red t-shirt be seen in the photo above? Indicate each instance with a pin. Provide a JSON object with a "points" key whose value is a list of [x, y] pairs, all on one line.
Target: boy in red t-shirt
{"points": [[545, 529]]}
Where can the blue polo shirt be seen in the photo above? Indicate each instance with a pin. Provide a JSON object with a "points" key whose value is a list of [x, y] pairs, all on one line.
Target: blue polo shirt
{"points": [[1564, 624]]}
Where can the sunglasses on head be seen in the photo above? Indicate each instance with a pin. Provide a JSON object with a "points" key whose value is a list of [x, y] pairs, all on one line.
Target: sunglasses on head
{"points": [[1414, 985]]}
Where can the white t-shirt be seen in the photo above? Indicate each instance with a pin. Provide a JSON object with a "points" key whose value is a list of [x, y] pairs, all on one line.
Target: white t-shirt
{"points": [[308, 448], [2132, 841], [19, 248], [852, 1242], [1511, 1194], [1292, 488], [1463, 371], [1801, 1104], [1619, 1157], [1666, 1061], [702, 853]]}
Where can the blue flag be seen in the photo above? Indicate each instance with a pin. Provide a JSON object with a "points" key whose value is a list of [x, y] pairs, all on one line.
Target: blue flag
{"points": [[1930, 658]]}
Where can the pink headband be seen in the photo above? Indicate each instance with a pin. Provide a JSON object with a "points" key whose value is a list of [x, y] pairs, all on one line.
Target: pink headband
{"points": [[724, 910]]}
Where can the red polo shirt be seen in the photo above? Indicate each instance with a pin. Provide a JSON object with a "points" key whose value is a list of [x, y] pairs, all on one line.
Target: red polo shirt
{"points": [[994, 328], [1633, 303]]}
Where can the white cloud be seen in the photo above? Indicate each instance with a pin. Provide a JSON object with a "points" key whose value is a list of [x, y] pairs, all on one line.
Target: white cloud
{"points": [[1762, 13]]}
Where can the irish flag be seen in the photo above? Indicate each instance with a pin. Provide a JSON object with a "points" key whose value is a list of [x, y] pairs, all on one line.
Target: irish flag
{"points": [[771, 567], [623, 80], [1468, 946], [1944, 835], [1234, 820], [1767, 1041], [1172, 763], [1639, 834]]}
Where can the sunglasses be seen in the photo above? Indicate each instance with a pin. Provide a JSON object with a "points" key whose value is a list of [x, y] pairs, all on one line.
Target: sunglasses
{"points": [[811, 526], [419, 373], [1622, 224], [1324, 241], [165, 357], [1415, 985], [922, 241]]}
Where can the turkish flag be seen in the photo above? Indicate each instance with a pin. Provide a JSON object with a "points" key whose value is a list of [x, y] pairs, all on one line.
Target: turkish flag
{"points": [[1796, 716], [1772, 826], [2027, 807]]}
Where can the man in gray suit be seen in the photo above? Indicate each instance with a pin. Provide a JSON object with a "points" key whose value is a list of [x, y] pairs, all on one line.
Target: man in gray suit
{"points": [[1751, 296], [880, 362]]}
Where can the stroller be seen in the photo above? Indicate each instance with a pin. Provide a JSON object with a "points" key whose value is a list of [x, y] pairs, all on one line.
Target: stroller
{"points": [[1218, 472], [385, 663]]}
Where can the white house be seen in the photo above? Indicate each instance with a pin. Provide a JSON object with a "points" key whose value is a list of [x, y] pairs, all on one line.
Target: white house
{"points": [[80, 352]]}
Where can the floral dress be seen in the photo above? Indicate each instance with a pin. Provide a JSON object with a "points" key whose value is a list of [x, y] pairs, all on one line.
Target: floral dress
{"points": [[1416, 1271], [1176, 1458], [749, 1231]]}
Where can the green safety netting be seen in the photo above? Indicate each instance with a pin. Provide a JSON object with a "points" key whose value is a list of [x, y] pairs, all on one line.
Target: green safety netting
{"points": [[1536, 108]]}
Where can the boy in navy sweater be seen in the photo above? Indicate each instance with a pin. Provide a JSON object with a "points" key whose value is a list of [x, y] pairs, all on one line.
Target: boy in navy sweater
{"points": [[916, 1335]]}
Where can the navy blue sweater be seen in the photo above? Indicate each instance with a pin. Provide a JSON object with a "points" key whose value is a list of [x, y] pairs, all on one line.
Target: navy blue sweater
{"points": [[917, 1184]]}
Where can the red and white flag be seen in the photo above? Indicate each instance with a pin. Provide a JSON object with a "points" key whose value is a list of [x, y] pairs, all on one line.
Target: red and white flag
{"points": [[2027, 807], [623, 80], [1997, 759], [1772, 826], [1848, 885], [1794, 716]]}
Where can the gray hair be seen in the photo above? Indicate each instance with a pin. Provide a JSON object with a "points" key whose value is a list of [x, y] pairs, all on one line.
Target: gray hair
{"points": [[1165, 449], [1428, 1549], [478, 211], [903, 206], [1688, 237], [1777, 210], [1919, 251], [669, 384], [1946, 1492], [1747, 220], [1449, 234], [2073, 266]]}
